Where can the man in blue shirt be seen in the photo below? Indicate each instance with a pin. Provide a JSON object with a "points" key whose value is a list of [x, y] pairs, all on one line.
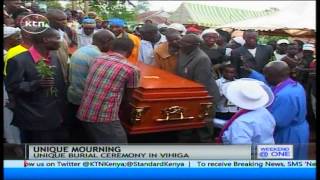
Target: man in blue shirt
{"points": [[253, 123], [151, 39], [289, 107], [79, 68]]}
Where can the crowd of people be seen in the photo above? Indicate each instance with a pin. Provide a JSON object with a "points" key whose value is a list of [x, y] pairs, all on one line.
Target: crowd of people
{"points": [[66, 83]]}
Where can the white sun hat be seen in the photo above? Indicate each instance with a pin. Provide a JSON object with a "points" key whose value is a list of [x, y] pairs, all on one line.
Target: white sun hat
{"points": [[248, 93], [209, 31], [239, 40], [283, 41], [308, 47], [179, 27], [9, 31], [265, 87]]}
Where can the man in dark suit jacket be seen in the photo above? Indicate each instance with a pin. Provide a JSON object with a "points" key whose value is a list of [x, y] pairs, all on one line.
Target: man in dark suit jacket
{"points": [[38, 111], [195, 65], [251, 54], [58, 21]]}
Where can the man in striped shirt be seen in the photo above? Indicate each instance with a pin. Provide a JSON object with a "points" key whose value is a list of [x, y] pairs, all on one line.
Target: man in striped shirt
{"points": [[107, 80]]}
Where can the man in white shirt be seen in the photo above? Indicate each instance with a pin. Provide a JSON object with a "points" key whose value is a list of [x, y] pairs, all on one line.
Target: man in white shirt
{"points": [[226, 109], [234, 43], [281, 49], [151, 39], [253, 124], [85, 34]]}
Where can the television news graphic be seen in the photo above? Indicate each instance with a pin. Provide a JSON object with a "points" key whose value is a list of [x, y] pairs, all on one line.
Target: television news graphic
{"points": [[161, 161], [46, 152], [274, 152]]}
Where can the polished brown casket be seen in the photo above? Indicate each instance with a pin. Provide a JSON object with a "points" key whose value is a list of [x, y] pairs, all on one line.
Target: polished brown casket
{"points": [[165, 102]]}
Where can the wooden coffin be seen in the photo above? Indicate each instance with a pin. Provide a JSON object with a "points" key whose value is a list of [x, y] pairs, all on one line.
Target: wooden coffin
{"points": [[165, 102]]}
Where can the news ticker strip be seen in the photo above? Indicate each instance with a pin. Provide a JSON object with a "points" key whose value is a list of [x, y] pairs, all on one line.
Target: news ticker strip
{"points": [[159, 164], [156, 152]]}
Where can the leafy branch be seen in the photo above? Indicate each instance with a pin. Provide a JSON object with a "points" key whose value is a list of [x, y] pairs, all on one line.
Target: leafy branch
{"points": [[44, 70], [46, 73]]}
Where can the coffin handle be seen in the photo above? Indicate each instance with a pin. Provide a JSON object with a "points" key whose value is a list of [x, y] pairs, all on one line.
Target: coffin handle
{"points": [[136, 114], [173, 113], [207, 110]]}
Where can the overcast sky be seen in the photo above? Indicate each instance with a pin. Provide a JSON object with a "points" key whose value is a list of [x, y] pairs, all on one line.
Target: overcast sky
{"points": [[252, 5]]}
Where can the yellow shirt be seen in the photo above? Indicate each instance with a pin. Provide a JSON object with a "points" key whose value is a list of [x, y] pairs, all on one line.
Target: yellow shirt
{"points": [[133, 58], [11, 53]]}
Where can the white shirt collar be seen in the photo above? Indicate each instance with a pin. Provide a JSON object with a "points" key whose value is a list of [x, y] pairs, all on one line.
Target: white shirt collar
{"points": [[223, 80], [161, 40]]}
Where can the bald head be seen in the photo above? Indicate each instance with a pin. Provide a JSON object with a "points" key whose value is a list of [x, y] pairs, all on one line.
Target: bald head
{"points": [[57, 18], [149, 28], [192, 39], [277, 66], [172, 33], [150, 32], [276, 72], [102, 39], [189, 42], [102, 36], [54, 13]]}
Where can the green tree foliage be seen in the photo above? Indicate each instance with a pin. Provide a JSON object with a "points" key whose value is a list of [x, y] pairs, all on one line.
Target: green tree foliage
{"points": [[264, 39], [69, 6], [106, 9], [112, 9], [52, 4], [142, 6]]}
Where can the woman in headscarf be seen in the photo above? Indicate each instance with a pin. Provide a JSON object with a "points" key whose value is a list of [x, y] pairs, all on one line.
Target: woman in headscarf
{"points": [[209, 46]]}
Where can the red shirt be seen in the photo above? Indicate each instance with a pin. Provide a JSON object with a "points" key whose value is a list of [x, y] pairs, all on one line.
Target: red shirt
{"points": [[36, 56], [313, 64]]}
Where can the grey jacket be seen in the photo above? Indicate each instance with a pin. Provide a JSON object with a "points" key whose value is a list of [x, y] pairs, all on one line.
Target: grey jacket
{"points": [[196, 66]]}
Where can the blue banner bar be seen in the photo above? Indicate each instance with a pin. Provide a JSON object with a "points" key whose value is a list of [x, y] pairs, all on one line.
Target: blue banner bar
{"points": [[160, 173]]}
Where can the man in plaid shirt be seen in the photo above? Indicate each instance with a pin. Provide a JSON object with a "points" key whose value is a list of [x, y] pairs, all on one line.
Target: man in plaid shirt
{"points": [[108, 77]]}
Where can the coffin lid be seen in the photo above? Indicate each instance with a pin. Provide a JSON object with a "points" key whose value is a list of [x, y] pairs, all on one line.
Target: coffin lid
{"points": [[159, 83]]}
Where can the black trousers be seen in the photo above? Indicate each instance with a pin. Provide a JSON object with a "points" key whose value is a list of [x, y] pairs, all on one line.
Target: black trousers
{"points": [[44, 136], [224, 116], [200, 135], [74, 127], [111, 132]]}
